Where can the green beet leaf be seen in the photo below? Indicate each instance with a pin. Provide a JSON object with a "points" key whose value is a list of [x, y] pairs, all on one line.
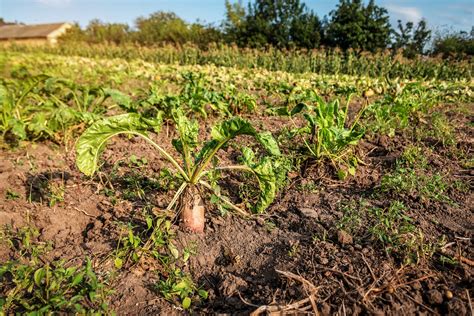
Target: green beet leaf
{"points": [[92, 142]]}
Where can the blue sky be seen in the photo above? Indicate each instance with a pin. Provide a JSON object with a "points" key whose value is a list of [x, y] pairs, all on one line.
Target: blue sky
{"points": [[441, 14]]}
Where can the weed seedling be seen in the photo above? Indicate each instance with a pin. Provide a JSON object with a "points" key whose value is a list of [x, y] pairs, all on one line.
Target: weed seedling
{"points": [[12, 195], [56, 193], [177, 286], [31, 286]]}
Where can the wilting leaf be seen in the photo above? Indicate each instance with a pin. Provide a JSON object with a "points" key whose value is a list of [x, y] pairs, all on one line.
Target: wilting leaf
{"points": [[174, 251], [92, 142], [188, 131]]}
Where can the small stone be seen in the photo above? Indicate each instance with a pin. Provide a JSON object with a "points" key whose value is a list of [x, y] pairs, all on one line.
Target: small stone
{"points": [[343, 237], [448, 294], [368, 93], [292, 175], [309, 212]]}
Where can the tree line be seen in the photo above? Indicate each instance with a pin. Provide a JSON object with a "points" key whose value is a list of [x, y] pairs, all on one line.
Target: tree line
{"points": [[285, 24]]}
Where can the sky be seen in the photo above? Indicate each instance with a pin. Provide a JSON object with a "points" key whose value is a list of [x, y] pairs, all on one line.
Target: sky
{"points": [[454, 15]]}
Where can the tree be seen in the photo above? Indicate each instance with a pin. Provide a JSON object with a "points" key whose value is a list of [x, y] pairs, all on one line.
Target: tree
{"points": [[167, 27], [99, 32], [201, 34], [353, 25], [281, 23], [161, 27], [74, 34], [454, 44], [306, 31], [235, 19], [3, 22], [412, 41]]}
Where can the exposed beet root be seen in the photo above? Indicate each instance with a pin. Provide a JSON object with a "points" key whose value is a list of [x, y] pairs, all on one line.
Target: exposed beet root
{"points": [[192, 210]]}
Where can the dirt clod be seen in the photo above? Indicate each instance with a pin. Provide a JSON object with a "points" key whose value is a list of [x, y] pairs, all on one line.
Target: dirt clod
{"points": [[435, 297], [231, 284], [344, 237]]}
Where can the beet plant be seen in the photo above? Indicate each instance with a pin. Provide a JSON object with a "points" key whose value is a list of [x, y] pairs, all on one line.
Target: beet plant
{"points": [[197, 166], [328, 135], [331, 136]]}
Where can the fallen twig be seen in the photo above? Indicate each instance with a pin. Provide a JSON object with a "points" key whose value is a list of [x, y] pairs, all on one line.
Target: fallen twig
{"points": [[297, 307], [84, 212]]}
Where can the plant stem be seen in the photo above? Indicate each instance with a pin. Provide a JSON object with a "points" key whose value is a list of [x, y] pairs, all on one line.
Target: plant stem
{"points": [[164, 153], [176, 196], [198, 170]]}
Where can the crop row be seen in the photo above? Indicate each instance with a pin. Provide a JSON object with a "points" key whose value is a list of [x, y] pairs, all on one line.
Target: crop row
{"points": [[328, 62]]}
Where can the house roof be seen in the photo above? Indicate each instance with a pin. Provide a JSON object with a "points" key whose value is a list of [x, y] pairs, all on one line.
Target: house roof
{"points": [[28, 31]]}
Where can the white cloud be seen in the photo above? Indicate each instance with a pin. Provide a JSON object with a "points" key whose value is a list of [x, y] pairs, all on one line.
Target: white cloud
{"points": [[405, 13]]}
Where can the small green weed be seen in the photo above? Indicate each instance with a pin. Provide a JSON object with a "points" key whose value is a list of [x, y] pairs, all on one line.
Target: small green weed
{"points": [[179, 288], [23, 241], [389, 226], [294, 249], [411, 177], [138, 162], [154, 241], [317, 238], [29, 285], [50, 287], [414, 156], [398, 233], [352, 219], [408, 181], [308, 186], [56, 193], [12, 195], [440, 129]]}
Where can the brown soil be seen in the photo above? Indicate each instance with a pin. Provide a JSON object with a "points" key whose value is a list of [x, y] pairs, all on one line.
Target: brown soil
{"points": [[237, 259]]}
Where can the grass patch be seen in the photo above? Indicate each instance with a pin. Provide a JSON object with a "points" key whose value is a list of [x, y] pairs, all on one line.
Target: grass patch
{"points": [[389, 227]]}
